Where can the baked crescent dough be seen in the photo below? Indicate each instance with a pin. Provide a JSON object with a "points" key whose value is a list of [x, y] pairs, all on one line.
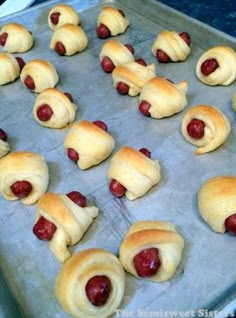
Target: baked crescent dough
{"points": [[4, 148], [63, 109], [9, 68], [92, 143], [72, 37], [216, 131], [27, 166], [217, 201], [18, 40], [164, 97], [42, 72], [172, 44], [116, 51], [73, 278], [225, 74], [67, 14], [134, 75], [71, 220], [135, 171], [113, 20], [153, 234]]}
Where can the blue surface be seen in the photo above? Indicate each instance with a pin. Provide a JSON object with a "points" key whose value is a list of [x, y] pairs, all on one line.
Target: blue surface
{"points": [[221, 14]]}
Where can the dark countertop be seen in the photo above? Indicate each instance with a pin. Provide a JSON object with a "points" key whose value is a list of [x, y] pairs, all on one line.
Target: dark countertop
{"points": [[218, 14]]}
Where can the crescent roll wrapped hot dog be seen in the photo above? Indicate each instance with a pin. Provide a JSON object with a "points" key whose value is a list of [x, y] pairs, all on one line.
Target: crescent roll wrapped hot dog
{"points": [[91, 284], [54, 109], [133, 76], [171, 46], [10, 68], [205, 127], [115, 53], [38, 75], [111, 22], [161, 98], [133, 173], [217, 203], [88, 143], [4, 145], [217, 66], [62, 14], [24, 176], [15, 38], [68, 40], [151, 250], [62, 221]]}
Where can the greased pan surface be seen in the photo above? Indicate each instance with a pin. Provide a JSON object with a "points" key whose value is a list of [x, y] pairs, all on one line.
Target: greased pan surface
{"points": [[207, 273]]}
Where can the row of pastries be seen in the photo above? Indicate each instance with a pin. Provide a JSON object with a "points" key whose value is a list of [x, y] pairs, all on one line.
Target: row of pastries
{"points": [[150, 249]]}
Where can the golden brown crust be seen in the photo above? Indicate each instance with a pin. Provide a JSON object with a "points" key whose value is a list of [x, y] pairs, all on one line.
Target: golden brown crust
{"points": [[42, 72], [19, 39], [216, 131], [113, 20], [164, 97], [76, 272], [217, 201], [153, 234], [225, 74], [92, 143], [67, 15], [23, 165], [135, 171], [116, 51]]}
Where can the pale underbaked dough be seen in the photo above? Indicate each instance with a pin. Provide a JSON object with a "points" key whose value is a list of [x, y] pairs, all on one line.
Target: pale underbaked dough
{"points": [[4, 148], [63, 109], [71, 220], [116, 51], [164, 97], [92, 143], [172, 44], [113, 20], [153, 234], [134, 75], [9, 68], [74, 276], [67, 15], [72, 37], [216, 131], [42, 72], [217, 201], [27, 166], [19, 39], [225, 74], [135, 171]]}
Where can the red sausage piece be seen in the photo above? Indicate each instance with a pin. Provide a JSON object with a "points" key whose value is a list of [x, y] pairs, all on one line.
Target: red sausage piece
{"points": [[98, 289], [141, 62], [195, 128], [122, 88], [107, 65], [20, 62], [54, 17], [103, 32], [147, 262], [130, 48], [44, 112], [117, 189], [146, 152], [209, 66], [100, 124], [78, 198], [73, 154], [44, 229], [29, 82], [144, 108], [3, 135], [21, 189], [69, 96], [186, 37], [230, 224], [3, 38], [60, 48], [162, 56]]}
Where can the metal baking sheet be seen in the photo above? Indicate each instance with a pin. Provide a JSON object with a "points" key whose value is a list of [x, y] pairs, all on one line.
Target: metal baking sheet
{"points": [[207, 274]]}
